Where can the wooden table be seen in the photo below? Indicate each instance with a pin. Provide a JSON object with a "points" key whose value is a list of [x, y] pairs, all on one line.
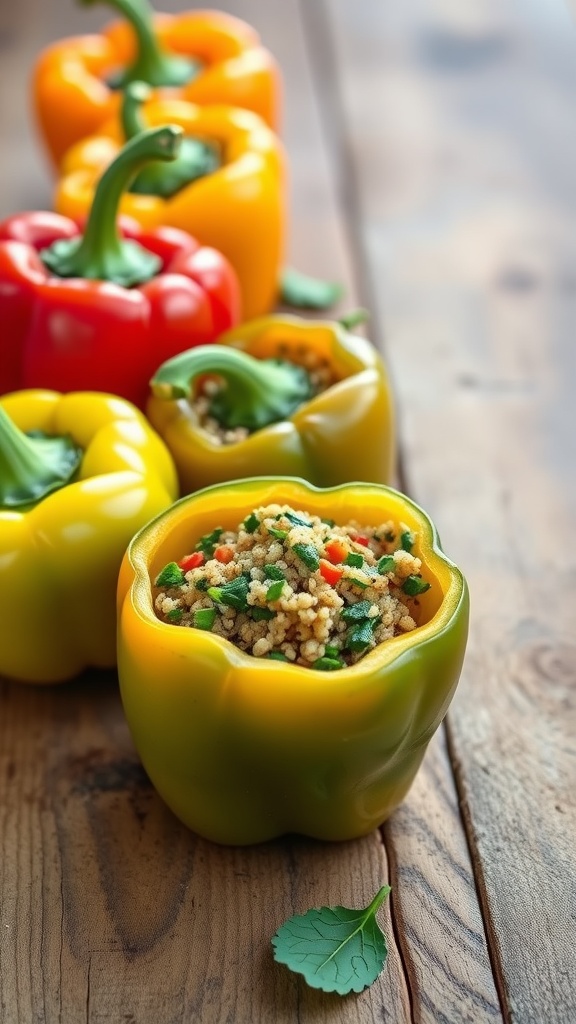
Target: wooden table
{"points": [[433, 169]]}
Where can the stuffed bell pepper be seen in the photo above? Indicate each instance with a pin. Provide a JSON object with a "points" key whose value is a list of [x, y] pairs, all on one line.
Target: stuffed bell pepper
{"points": [[277, 395], [226, 187], [286, 653], [79, 475], [100, 310], [202, 56]]}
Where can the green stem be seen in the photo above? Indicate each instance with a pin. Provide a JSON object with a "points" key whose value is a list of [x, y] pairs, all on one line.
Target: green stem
{"points": [[377, 902], [152, 64], [32, 467], [195, 159], [135, 94], [354, 318], [256, 392], [101, 254]]}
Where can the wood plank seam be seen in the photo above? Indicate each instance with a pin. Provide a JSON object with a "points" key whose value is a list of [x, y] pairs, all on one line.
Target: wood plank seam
{"points": [[395, 917], [479, 879], [313, 16], [347, 184]]}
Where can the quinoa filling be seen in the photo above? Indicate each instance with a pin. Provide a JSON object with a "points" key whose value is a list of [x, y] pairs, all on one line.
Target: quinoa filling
{"points": [[290, 586]]}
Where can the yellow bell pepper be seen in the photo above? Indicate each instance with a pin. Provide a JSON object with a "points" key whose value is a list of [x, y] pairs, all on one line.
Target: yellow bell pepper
{"points": [[70, 500], [200, 56], [244, 749], [226, 188], [343, 433]]}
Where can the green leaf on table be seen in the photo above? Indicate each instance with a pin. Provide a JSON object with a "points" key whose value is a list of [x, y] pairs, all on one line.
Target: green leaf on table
{"points": [[304, 292], [335, 948]]}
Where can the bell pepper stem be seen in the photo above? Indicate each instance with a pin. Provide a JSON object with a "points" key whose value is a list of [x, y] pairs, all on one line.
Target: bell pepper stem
{"points": [[256, 392], [101, 254], [32, 467], [195, 159], [152, 63], [135, 94], [355, 318]]}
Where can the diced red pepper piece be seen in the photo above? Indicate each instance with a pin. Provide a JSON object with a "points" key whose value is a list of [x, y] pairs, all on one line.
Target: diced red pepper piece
{"points": [[192, 561], [331, 573], [360, 539], [336, 550], [224, 554]]}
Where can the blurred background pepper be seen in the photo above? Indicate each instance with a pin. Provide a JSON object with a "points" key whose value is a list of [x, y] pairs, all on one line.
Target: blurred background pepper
{"points": [[202, 56], [79, 474], [98, 310], [226, 187], [244, 749], [343, 432]]}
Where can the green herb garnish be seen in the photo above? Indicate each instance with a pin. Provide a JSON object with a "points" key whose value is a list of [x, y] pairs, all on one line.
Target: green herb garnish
{"points": [[170, 576], [327, 664], [355, 560], [204, 618], [279, 534], [208, 542], [363, 584], [201, 583], [361, 636], [175, 615], [233, 594], [273, 572], [275, 590], [308, 554], [356, 612], [335, 948], [261, 614], [296, 520], [251, 523], [414, 585], [407, 540], [276, 656], [386, 564], [331, 652]]}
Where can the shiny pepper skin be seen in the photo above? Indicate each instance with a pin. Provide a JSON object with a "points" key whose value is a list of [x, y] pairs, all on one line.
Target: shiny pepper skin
{"points": [[238, 209], [71, 74], [59, 559], [346, 432]]}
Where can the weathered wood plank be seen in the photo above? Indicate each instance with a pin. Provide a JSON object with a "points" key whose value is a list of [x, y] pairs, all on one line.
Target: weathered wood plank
{"points": [[113, 911], [460, 124]]}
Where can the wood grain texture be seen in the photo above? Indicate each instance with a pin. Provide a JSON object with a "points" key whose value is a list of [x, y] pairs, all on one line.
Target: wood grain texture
{"points": [[459, 121], [112, 911]]}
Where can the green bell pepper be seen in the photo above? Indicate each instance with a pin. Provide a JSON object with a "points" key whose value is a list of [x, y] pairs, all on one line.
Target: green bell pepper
{"points": [[244, 749]]}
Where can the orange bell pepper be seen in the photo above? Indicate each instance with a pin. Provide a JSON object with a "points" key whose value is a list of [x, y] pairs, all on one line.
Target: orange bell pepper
{"points": [[202, 56], [238, 207]]}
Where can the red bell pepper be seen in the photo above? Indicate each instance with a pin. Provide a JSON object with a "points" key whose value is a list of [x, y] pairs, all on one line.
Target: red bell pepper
{"points": [[331, 573], [192, 561], [336, 550], [101, 310]]}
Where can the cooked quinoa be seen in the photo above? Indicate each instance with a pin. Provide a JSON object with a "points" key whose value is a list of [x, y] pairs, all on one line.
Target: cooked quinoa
{"points": [[319, 371], [290, 586]]}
